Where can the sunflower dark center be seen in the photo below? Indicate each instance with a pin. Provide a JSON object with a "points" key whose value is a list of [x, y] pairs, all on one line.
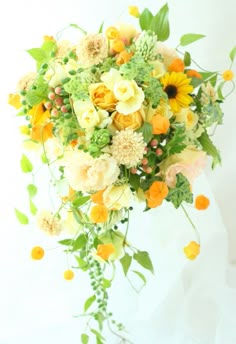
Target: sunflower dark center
{"points": [[171, 91]]}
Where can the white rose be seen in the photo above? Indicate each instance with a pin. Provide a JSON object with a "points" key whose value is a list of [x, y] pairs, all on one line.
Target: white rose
{"points": [[117, 197]]}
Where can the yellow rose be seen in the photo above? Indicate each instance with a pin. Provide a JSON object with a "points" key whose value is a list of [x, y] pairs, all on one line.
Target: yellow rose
{"points": [[102, 97], [112, 32], [117, 45], [188, 117], [117, 197], [130, 96], [133, 120]]}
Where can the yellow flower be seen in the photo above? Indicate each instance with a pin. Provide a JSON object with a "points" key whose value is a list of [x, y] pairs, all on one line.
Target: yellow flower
{"points": [[133, 121], [102, 97], [68, 275], [134, 11], [112, 32], [99, 213], [37, 253], [177, 87], [188, 117], [117, 45], [14, 100], [105, 250], [228, 75], [192, 250]]}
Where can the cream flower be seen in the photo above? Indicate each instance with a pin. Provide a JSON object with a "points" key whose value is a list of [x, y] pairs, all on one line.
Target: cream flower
{"points": [[26, 81], [127, 31], [87, 174], [190, 162], [188, 117], [63, 48], [129, 95], [54, 148], [128, 147], [117, 197], [168, 54], [48, 222], [158, 69], [58, 71], [208, 94], [88, 116], [92, 50], [70, 225]]}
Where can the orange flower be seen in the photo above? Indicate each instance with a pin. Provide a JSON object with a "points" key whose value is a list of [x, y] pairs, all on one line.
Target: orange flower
{"points": [[177, 65], [228, 75], [71, 195], [123, 57], [105, 250], [192, 73], [14, 100], [39, 114], [117, 45], [201, 202], [42, 133], [160, 124], [68, 275], [133, 121], [99, 214], [192, 250], [156, 194], [37, 253], [97, 197], [112, 32]]}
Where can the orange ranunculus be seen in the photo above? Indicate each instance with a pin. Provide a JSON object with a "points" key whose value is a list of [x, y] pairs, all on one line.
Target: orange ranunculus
{"points": [[160, 124], [123, 57], [39, 114], [105, 250], [133, 121], [102, 97], [42, 133], [99, 214], [192, 73], [192, 250], [117, 45], [97, 197], [156, 194], [14, 100], [201, 202], [112, 33], [177, 66]]}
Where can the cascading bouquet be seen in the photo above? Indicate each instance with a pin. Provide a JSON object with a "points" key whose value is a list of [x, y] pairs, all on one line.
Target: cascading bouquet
{"points": [[117, 117]]}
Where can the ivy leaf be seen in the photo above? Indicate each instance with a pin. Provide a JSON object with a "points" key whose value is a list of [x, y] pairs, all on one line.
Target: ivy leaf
{"points": [[176, 144], [232, 54], [82, 264], [22, 218], [160, 24], [142, 257], [190, 38], [145, 19], [32, 190], [33, 208], [181, 192], [125, 262], [88, 303], [84, 338], [210, 149], [26, 165], [146, 130]]}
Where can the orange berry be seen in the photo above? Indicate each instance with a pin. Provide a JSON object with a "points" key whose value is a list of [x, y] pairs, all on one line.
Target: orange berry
{"points": [[202, 202], [68, 275], [37, 253]]}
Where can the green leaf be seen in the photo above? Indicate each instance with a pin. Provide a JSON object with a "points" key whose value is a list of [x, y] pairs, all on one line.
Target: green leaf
{"points": [[142, 257], [38, 54], [33, 208], [187, 59], [209, 76], [44, 159], [181, 192], [145, 19], [66, 242], [32, 190], [106, 283], [26, 165], [97, 334], [78, 202], [83, 265], [140, 275], [84, 338], [79, 243], [79, 28], [219, 90], [146, 130], [210, 149], [232, 54], [22, 218], [89, 302], [101, 27], [160, 24], [134, 180], [125, 262], [190, 38]]}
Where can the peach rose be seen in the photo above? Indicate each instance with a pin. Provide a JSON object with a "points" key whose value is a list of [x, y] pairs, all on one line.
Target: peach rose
{"points": [[102, 97], [133, 121]]}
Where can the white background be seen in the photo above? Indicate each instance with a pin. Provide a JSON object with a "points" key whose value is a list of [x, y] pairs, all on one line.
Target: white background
{"points": [[23, 24]]}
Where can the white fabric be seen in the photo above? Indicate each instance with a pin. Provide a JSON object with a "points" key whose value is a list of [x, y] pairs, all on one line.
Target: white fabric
{"points": [[185, 302]]}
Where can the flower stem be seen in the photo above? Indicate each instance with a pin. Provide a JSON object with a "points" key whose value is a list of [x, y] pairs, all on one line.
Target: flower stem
{"points": [[191, 222]]}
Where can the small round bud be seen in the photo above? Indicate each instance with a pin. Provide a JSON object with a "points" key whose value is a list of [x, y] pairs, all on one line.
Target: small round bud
{"points": [[51, 96], [58, 90], [144, 161], [159, 151], [64, 109]]}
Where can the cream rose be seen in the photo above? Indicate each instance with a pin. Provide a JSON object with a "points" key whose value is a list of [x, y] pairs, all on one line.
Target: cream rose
{"points": [[58, 71], [190, 162], [88, 117], [188, 117], [117, 197], [86, 174]]}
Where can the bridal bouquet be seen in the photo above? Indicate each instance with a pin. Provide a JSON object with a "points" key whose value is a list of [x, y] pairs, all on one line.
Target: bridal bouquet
{"points": [[117, 117]]}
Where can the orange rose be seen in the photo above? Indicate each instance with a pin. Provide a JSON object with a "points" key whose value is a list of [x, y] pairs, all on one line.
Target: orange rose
{"points": [[123, 57], [156, 194], [133, 121], [160, 124], [102, 97]]}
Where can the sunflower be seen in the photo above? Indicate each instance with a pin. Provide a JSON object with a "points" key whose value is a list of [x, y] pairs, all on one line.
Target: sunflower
{"points": [[177, 87]]}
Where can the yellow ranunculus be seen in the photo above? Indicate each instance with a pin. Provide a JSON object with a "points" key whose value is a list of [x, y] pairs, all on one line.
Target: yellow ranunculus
{"points": [[102, 97], [133, 121], [117, 197]]}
